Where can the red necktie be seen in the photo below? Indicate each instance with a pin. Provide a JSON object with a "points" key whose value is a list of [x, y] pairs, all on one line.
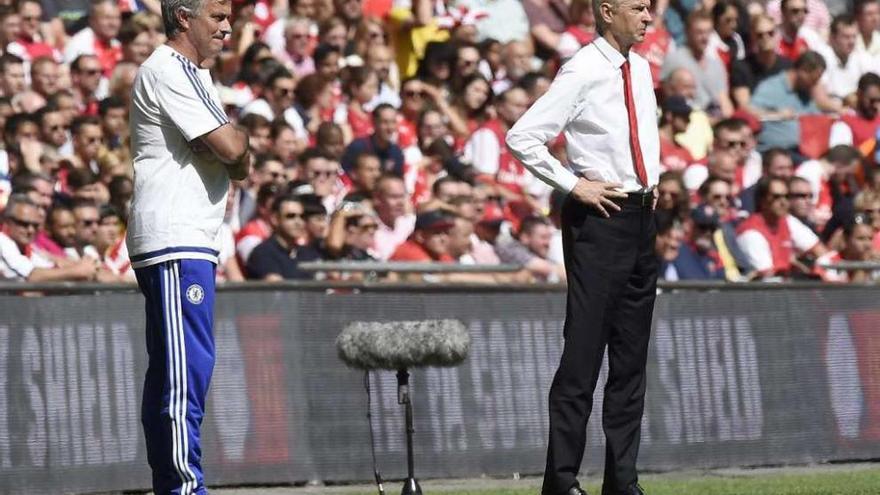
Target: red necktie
{"points": [[638, 162]]}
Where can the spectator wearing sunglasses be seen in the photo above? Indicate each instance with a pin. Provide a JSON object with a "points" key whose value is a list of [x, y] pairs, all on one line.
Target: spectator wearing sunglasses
{"points": [[22, 219], [776, 163], [278, 257]]}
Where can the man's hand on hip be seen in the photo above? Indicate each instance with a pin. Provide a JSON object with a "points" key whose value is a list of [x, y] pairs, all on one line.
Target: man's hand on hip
{"points": [[598, 194]]}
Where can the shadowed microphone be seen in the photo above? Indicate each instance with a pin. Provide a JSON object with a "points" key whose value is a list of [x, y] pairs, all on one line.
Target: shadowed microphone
{"points": [[399, 345]]}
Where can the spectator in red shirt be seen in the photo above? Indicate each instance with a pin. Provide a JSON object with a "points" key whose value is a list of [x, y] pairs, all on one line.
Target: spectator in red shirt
{"points": [[260, 227], [675, 120], [85, 75], [30, 41], [361, 87], [771, 238], [796, 39], [859, 126], [430, 239]]}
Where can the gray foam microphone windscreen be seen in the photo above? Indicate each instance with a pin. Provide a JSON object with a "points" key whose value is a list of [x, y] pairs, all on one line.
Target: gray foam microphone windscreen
{"points": [[403, 344]]}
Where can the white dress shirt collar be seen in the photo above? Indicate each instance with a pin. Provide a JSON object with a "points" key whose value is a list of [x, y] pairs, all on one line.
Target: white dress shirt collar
{"points": [[609, 52]]}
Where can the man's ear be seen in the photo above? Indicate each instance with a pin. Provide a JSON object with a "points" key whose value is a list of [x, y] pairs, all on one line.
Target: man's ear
{"points": [[183, 16], [606, 9]]}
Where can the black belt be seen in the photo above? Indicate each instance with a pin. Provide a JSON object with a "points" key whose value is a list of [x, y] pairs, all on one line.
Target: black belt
{"points": [[640, 199]]}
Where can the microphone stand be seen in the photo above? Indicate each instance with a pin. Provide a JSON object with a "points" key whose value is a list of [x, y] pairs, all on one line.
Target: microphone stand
{"points": [[410, 486]]}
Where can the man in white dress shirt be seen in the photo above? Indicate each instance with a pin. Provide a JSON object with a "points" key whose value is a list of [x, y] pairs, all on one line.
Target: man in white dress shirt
{"points": [[602, 100]]}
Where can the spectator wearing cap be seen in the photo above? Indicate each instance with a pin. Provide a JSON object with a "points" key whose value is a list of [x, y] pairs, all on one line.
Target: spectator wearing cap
{"points": [[771, 238], [857, 235], [780, 99], [530, 249], [277, 258], [698, 257], [843, 65], [99, 38], [12, 75], [708, 70], [797, 38], [762, 62], [776, 163], [395, 222], [429, 241], [19, 260], [867, 14], [858, 128], [698, 136], [382, 142], [673, 121]]}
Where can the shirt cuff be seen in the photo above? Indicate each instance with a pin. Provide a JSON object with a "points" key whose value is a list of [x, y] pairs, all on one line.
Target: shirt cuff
{"points": [[566, 180]]}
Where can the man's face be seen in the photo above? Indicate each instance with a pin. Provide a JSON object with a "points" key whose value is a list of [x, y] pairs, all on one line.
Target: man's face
{"points": [[794, 14], [44, 78], [860, 244], [698, 34], [467, 61], [350, 10], [209, 28], [800, 199], [22, 223], [280, 95], [515, 103], [297, 37], [361, 235], [30, 14], [289, 222], [538, 240], [869, 19], [260, 139], [776, 201], [88, 76], [722, 164], [412, 97], [391, 199], [386, 125], [379, 59], [88, 141], [682, 83], [668, 194], [630, 20], [869, 102], [108, 233], [781, 167], [733, 142], [322, 174], [106, 21], [844, 41], [62, 228], [272, 171], [719, 196], [460, 237], [116, 121], [435, 241], [806, 79], [765, 38], [13, 79], [317, 225], [11, 27], [517, 59], [86, 224], [366, 172]]}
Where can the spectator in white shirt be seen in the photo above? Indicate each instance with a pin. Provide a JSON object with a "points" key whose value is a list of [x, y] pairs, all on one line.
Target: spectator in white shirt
{"points": [[395, 222], [844, 65], [867, 14], [19, 261]]}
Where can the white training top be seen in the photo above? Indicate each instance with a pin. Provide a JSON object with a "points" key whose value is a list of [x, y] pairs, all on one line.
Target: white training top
{"points": [[179, 193]]}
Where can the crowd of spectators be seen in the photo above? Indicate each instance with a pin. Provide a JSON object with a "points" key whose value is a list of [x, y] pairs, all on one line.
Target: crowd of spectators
{"points": [[379, 130]]}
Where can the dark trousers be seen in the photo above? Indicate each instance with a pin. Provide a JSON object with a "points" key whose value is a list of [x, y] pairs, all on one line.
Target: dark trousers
{"points": [[612, 280]]}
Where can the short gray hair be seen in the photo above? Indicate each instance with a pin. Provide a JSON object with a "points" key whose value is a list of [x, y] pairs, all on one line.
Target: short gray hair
{"points": [[15, 200], [600, 23], [169, 14]]}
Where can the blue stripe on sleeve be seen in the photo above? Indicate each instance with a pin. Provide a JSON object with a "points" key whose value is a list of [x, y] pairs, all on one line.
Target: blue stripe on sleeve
{"points": [[220, 120], [211, 101]]}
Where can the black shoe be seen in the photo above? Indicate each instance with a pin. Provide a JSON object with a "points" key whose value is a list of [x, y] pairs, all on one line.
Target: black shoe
{"points": [[633, 489], [576, 490]]}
